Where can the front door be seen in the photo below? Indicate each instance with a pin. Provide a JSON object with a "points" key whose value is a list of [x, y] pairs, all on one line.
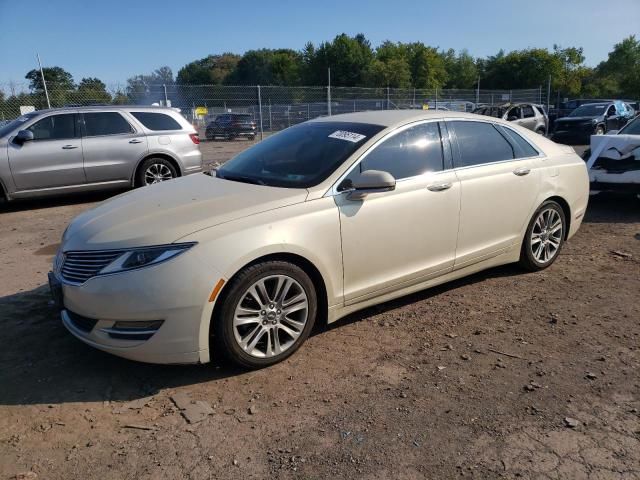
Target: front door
{"points": [[394, 239]]}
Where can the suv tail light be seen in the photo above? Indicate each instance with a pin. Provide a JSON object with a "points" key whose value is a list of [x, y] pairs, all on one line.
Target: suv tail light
{"points": [[194, 138]]}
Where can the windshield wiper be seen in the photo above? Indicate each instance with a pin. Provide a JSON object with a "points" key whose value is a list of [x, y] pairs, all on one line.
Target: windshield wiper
{"points": [[242, 178]]}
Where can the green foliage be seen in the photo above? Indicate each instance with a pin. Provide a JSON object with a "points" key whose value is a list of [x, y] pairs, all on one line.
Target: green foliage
{"points": [[267, 67], [92, 91], [622, 67], [211, 70]]}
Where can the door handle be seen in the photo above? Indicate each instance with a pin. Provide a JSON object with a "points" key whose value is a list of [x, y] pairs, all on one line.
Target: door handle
{"points": [[135, 140], [439, 187], [69, 147], [521, 172]]}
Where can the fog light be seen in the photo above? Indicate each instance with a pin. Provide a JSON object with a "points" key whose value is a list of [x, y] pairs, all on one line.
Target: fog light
{"points": [[133, 330]]}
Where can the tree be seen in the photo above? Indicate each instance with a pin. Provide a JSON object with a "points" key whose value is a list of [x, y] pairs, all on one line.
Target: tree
{"points": [[390, 67], [427, 66], [348, 57], [92, 90], [149, 88], [212, 69], [55, 77], [267, 67], [622, 67], [462, 69]]}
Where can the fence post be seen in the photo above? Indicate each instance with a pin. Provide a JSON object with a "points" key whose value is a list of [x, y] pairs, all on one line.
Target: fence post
{"points": [[260, 109], [166, 99], [388, 98], [270, 119], [436, 98], [329, 91]]}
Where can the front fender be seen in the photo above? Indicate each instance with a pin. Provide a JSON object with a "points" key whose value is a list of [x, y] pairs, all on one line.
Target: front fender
{"points": [[309, 229]]}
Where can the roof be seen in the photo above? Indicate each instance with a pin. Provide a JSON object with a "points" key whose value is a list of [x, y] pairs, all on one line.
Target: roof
{"points": [[390, 118], [104, 107]]}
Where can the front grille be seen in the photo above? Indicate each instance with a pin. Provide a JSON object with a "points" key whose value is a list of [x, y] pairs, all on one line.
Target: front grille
{"points": [[82, 323], [78, 267]]}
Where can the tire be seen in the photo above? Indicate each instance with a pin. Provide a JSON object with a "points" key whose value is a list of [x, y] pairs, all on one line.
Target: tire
{"points": [[541, 131], [540, 254], [243, 329], [251, 138], [155, 170], [600, 130]]}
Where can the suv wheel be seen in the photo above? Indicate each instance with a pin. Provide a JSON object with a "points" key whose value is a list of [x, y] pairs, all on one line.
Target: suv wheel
{"points": [[600, 130], [156, 170], [540, 131]]}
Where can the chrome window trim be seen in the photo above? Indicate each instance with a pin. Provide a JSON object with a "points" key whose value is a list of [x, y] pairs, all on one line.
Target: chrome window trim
{"points": [[333, 190]]}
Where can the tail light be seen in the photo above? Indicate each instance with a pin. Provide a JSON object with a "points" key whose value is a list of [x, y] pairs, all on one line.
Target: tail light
{"points": [[194, 138]]}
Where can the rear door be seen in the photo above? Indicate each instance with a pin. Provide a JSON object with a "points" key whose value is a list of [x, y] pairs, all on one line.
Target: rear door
{"points": [[111, 146], [499, 180], [53, 158]]}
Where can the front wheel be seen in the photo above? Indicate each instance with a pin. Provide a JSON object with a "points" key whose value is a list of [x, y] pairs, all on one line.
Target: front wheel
{"points": [[600, 130], [544, 237], [267, 312]]}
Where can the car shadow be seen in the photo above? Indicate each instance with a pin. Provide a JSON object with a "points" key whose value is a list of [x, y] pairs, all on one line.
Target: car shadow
{"points": [[610, 207], [42, 363]]}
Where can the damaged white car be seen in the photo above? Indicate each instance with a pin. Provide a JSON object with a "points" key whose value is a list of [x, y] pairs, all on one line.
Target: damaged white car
{"points": [[614, 162]]}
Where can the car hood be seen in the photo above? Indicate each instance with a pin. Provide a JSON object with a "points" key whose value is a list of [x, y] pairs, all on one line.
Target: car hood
{"points": [[163, 213]]}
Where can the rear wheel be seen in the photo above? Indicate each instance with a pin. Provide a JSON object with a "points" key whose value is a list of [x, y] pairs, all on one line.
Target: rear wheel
{"points": [[544, 237], [156, 170], [267, 312]]}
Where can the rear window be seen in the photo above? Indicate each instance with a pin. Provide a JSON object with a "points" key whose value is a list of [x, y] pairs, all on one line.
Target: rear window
{"points": [[157, 121]]}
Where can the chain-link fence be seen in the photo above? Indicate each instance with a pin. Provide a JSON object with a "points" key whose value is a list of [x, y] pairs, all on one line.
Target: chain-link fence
{"points": [[272, 107]]}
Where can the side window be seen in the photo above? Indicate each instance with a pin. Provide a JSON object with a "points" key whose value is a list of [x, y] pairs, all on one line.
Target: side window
{"points": [[156, 121], [514, 112], [521, 147], [54, 127], [479, 143], [105, 123], [527, 111], [409, 153]]}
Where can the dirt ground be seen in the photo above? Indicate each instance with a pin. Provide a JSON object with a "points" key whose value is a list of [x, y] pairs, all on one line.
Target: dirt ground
{"points": [[500, 375]]}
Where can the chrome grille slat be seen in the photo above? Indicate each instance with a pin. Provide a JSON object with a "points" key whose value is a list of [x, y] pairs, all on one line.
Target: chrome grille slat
{"points": [[78, 267]]}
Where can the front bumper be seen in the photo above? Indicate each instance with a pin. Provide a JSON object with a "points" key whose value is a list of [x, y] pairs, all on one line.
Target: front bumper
{"points": [[175, 292]]}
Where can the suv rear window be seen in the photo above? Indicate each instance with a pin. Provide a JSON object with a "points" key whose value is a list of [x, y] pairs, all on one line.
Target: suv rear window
{"points": [[156, 121]]}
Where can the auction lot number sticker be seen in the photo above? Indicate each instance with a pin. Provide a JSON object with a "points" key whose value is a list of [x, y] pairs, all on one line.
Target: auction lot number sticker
{"points": [[348, 136]]}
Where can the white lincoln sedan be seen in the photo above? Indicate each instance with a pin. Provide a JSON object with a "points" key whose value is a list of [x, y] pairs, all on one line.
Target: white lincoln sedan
{"points": [[309, 225]]}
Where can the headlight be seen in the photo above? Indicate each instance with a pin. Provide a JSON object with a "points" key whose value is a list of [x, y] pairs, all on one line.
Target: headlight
{"points": [[145, 257]]}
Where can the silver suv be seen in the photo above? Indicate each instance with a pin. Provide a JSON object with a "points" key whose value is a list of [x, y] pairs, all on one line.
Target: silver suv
{"points": [[527, 115], [78, 149]]}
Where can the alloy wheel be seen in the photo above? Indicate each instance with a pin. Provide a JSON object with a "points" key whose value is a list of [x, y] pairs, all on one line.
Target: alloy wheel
{"points": [[546, 235], [156, 173], [270, 316]]}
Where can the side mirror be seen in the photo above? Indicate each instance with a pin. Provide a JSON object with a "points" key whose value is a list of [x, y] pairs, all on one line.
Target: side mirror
{"points": [[23, 136], [371, 181]]}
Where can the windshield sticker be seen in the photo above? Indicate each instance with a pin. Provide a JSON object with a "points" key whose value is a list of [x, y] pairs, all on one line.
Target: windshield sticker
{"points": [[348, 136]]}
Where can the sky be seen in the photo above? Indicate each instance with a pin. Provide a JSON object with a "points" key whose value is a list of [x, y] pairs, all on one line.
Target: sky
{"points": [[116, 39]]}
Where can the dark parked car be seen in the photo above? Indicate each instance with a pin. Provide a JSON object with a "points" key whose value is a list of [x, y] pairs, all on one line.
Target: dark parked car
{"points": [[591, 119], [230, 126]]}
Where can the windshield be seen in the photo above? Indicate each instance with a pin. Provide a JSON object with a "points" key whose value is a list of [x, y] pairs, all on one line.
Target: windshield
{"points": [[299, 157], [12, 125], [631, 128], [589, 110]]}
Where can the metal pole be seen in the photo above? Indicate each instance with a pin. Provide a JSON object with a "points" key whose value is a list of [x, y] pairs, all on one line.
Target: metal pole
{"points": [[436, 98], [270, 120], [260, 108], [387, 97], [166, 99], [414, 98], [44, 83], [548, 94], [329, 91]]}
